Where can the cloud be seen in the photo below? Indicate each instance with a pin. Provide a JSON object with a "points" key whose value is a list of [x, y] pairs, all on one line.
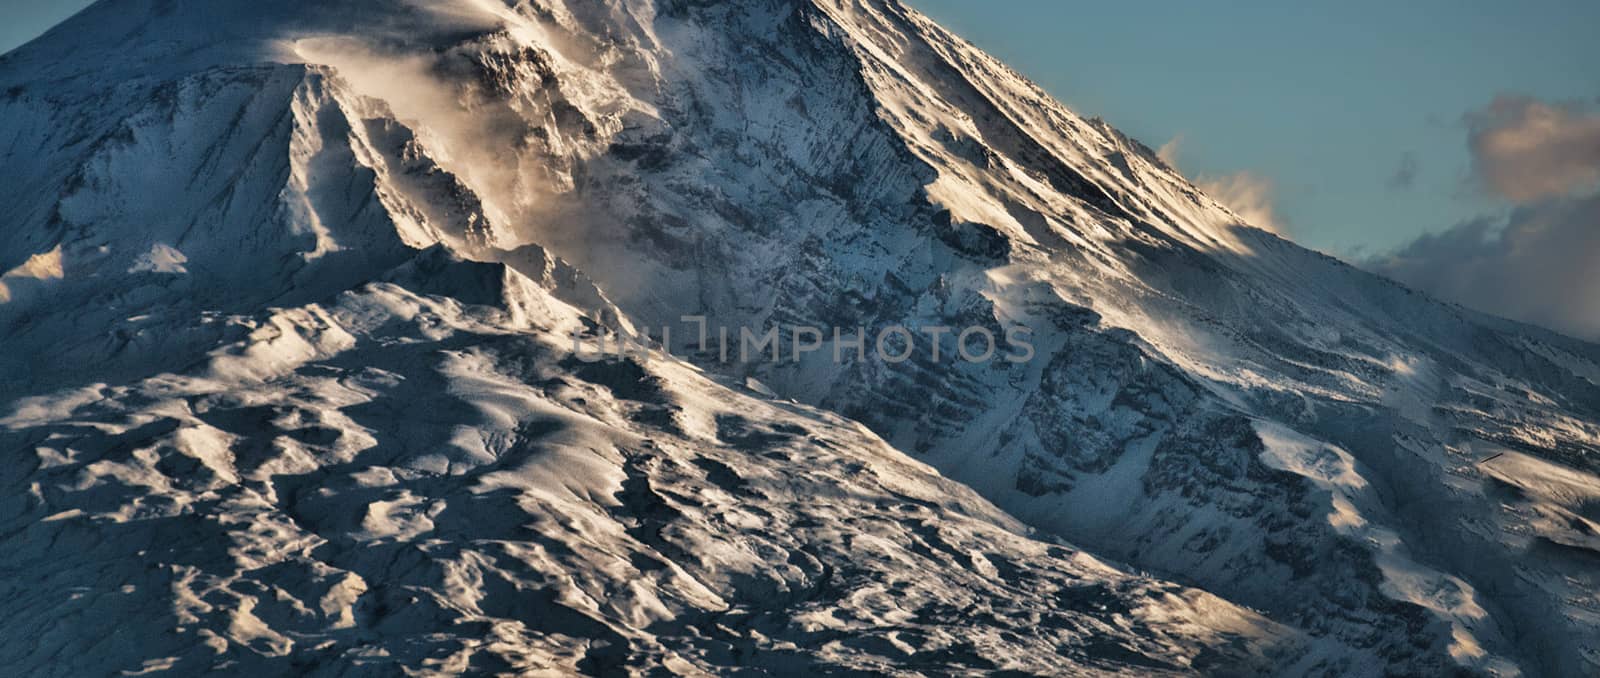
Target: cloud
{"points": [[1405, 176], [1524, 149], [1168, 153], [479, 137], [1539, 262], [1249, 195]]}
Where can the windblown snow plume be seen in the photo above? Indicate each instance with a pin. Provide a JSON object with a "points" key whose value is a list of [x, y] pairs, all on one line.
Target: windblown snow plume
{"points": [[291, 301]]}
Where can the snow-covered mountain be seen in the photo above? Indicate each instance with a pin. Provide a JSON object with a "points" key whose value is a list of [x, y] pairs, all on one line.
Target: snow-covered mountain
{"points": [[288, 309]]}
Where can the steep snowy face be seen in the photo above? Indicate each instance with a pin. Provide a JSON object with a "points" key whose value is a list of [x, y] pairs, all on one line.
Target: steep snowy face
{"points": [[286, 389], [419, 475], [207, 191], [1205, 400]]}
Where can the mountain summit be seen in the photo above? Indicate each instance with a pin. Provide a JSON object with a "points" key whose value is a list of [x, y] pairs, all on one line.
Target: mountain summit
{"points": [[294, 297]]}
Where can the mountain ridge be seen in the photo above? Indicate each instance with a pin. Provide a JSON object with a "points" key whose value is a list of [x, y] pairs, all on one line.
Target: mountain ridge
{"points": [[1210, 400]]}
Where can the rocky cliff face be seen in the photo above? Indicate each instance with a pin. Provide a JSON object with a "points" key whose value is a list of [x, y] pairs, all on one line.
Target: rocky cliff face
{"points": [[289, 321]]}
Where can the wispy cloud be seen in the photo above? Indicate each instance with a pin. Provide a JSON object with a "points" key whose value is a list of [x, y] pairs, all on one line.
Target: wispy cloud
{"points": [[1247, 194], [1405, 176], [1169, 151], [1540, 261]]}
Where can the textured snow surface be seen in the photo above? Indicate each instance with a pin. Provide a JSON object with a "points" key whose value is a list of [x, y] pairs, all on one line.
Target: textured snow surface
{"points": [[287, 302], [395, 479]]}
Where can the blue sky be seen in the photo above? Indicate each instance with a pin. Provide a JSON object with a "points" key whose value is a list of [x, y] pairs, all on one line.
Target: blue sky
{"points": [[1324, 100], [22, 20]]}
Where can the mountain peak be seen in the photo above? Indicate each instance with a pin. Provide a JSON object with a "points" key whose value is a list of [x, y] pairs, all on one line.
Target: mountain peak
{"points": [[114, 40], [319, 279]]}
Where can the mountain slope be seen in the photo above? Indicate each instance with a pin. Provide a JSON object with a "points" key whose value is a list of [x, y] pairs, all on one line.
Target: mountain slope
{"points": [[418, 474], [1206, 401], [261, 416]]}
